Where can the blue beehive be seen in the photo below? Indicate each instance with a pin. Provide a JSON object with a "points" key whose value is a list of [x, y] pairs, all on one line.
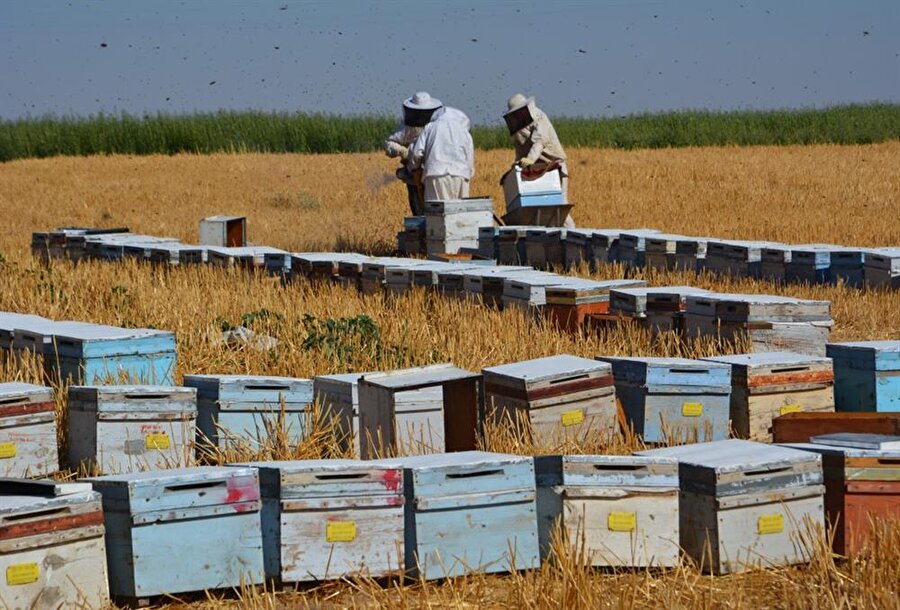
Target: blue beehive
{"points": [[866, 375], [810, 263], [469, 511], [175, 531], [673, 399]]}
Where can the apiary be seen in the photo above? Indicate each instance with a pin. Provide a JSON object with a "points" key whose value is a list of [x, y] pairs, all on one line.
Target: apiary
{"points": [[866, 375], [810, 264], [799, 427], [52, 552], [746, 505], [767, 385], [331, 519], [453, 224], [511, 245], [553, 400], [668, 400], [27, 430], [633, 247], [243, 410], [111, 247], [182, 530], [116, 429], [569, 304], [660, 308], [388, 426], [882, 268], [862, 483], [622, 509], [467, 512]]}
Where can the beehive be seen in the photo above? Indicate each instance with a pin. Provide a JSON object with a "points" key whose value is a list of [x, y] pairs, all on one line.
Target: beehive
{"points": [[116, 429], [810, 264], [604, 246], [248, 258], [492, 284], [331, 519], [569, 304], [882, 268], [523, 193], [453, 224], [487, 242], [660, 250], [866, 375], [800, 427], [745, 505], [27, 430], [413, 237], [474, 279], [774, 260], [768, 385], [673, 399], [537, 241], [176, 254], [511, 245], [848, 266], [10, 322], [374, 271], [52, 552], [660, 308], [469, 512], [621, 511], [577, 247], [528, 291], [320, 265], [862, 484], [633, 247], [278, 263], [400, 278], [740, 258], [553, 400], [182, 530], [111, 247], [223, 231]]}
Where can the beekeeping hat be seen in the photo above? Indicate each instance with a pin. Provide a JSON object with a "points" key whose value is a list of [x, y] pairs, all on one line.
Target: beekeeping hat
{"points": [[518, 113], [417, 110]]}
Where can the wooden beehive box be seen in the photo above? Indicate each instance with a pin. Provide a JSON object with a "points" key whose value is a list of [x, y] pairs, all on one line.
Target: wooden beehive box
{"points": [[528, 291], [374, 271], [331, 519], [866, 375], [223, 231], [469, 512], [553, 400], [176, 254], [242, 410], [577, 247], [604, 246], [810, 264], [690, 253], [388, 426], [774, 259], [487, 242], [453, 224], [848, 266], [660, 249], [52, 551], [492, 285], [746, 505], [116, 429], [632, 249], [621, 511], [111, 247], [669, 400], [278, 263], [511, 245], [248, 258], [882, 268], [474, 280], [569, 304], [536, 246], [768, 385], [659, 308], [399, 278], [27, 430], [182, 530], [800, 427], [320, 265], [862, 483]]}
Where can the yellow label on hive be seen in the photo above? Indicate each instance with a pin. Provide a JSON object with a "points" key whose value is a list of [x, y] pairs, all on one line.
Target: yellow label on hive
{"points": [[7, 450], [770, 524], [23, 573], [157, 441], [572, 418], [340, 531], [790, 409], [621, 522], [691, 409]]}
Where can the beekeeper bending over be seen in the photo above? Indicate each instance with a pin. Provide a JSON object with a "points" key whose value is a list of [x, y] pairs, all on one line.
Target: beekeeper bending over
{"points": [[417, 111], [538, 148], [445, 152]]}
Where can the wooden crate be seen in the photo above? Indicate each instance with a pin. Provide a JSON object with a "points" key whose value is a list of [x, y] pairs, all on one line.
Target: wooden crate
{"points": [[667, 400], [52, 552], [882, 269], [240, 410], [453, 224], [621, 511], [569, 305], [388, 426], [556, 399], [862, 483], [182, 530], [116, 429], [331, 519], [469, 512], [866, 375], [746, 505], [27, 430], [800, 427], [768, 385]]}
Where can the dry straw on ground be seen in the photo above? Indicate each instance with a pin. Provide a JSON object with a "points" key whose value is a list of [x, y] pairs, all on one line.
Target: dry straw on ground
{"points": [[845, 195]]}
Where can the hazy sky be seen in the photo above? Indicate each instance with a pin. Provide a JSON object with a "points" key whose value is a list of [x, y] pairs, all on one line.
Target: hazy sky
{"points": [[346, 56]]}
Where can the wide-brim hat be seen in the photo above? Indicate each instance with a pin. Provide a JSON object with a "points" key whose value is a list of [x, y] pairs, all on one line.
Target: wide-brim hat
{"points": [[422, 101], [528, 101]]}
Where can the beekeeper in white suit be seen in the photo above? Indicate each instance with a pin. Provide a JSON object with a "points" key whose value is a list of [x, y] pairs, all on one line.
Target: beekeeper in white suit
{"points": [[417, 111], [445, 152], [538, 148]]}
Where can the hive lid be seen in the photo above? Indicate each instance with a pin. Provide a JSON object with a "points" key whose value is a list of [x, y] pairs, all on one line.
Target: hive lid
{"points": [[18, 389], [551, 367], [873, 442], [732, 455]]}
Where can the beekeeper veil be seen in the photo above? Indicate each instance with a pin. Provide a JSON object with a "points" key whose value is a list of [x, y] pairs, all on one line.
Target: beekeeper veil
{"points": [[417, 110], [520, 112]]}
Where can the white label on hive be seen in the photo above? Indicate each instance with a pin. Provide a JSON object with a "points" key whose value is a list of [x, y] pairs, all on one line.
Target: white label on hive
{"points": [[770, 524], [340, 531], [22, 573], [572, 418], [7, 450], [790, 409], [621, 522], [691, 409], [157, 441]]}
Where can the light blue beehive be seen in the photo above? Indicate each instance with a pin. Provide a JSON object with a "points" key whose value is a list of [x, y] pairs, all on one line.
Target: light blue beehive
{"points": [[866, 375]]}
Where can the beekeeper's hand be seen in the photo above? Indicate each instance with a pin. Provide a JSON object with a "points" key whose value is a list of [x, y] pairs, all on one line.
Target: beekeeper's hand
{"points": [[403, 152], [525, 162], [393, 149]]}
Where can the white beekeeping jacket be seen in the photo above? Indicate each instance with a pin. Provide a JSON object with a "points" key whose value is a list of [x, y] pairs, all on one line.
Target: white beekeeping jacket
{"points": [[539, 141], [403, 136], [445, 146]]}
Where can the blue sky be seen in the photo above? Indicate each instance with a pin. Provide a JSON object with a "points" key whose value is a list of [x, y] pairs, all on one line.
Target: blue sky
{"points": [[350, 57]]}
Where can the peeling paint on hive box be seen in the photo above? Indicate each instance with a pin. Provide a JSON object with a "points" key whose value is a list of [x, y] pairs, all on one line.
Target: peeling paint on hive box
{"points": [[28, 440]]}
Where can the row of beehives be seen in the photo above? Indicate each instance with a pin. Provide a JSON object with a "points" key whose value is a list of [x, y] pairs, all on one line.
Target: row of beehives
{"points": [[809, 263], [728, 506], [552, 400]]}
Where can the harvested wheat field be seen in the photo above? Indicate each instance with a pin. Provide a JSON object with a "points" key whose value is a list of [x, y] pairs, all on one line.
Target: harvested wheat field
{"points": [[835, 194]]}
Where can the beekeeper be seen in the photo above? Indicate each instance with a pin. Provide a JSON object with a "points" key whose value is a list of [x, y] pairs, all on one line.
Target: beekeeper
{"points": [[445, 152], [417, 111], [538, 148]]}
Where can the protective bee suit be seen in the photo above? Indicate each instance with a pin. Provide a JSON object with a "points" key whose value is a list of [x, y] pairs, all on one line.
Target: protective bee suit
{"points": [[538, 148], [417, 111], [445, 152]]}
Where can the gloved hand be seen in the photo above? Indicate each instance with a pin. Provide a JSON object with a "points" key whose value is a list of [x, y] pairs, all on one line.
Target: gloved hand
{"points": [[393, 149], [403, 152], [525, 162]]}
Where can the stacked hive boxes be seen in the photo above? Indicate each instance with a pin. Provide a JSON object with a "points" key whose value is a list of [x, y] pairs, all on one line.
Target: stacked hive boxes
{"points": [[453, 224], [882, 268], [511, 245], [27, 430], [568, 305], [800, 427], [475, 280], [660, 309], [633, 247], [866, 375], [810, 264], [577, 247]]}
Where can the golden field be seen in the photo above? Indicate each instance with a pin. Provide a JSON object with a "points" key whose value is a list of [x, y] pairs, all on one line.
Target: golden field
{"points": [[834, 194]]}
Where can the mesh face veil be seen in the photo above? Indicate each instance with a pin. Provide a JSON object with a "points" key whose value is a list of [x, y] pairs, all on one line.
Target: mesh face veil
{"points": [[518, 119], [413, 117]]}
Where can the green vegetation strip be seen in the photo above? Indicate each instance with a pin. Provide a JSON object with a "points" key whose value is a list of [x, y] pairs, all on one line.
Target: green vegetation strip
{"points": [[303, 133]]}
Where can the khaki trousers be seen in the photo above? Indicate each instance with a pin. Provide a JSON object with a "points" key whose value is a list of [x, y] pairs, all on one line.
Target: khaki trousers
{"points": [[440, 188]]}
